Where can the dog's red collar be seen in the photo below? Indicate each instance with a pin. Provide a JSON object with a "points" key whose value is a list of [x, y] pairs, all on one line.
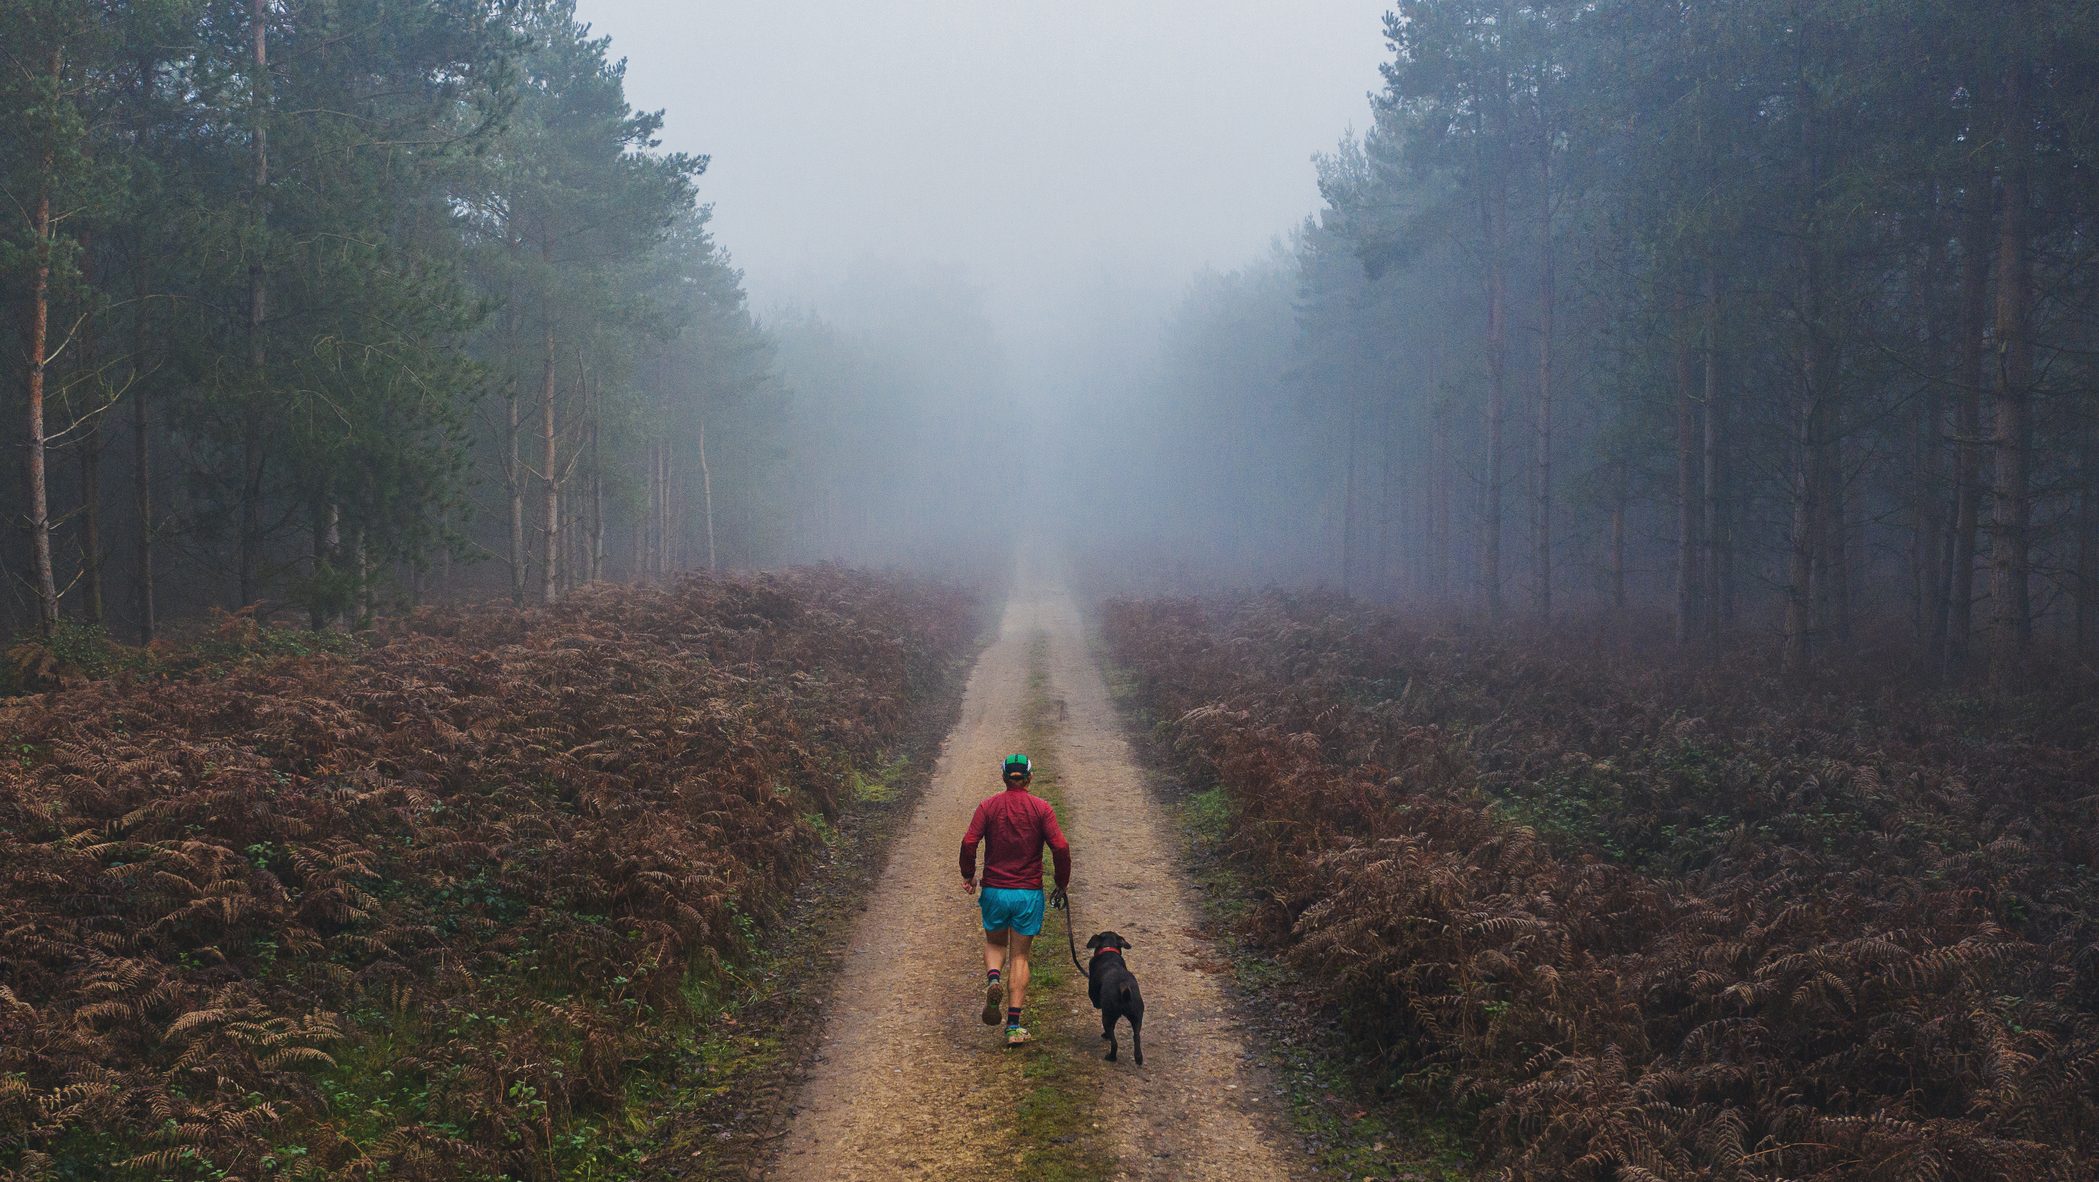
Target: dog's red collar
{"points": [[1104, 949]]}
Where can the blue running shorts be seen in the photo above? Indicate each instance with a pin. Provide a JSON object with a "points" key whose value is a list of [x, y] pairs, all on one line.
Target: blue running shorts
{"points": [[1007, 908]]}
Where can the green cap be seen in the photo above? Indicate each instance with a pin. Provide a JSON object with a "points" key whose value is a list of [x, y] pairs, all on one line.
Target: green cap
{"points": [[1017, 762]]}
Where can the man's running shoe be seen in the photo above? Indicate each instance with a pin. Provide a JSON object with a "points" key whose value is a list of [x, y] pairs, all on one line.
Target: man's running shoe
{"points": [[1016, 1035], [994, 1002]]}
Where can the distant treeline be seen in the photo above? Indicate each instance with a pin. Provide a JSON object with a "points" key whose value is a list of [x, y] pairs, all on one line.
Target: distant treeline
{"points": [[327, 305], [1777, 316]]}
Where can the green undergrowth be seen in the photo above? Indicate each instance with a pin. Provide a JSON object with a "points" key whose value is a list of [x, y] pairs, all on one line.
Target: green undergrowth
{"points": [[722, 1103], [1058, 1135], [78, 651], [1353, 1127], [686, 1112]]}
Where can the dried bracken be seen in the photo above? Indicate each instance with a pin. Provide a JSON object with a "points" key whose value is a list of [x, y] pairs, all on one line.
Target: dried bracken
{"points": [[409, 913], [1656, 921]]}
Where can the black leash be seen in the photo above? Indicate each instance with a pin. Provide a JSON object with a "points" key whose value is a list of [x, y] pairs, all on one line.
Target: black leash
{"points": [[1071, 938]]}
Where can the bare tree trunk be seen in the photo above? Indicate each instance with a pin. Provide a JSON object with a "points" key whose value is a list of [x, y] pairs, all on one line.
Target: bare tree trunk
{"points": [[2010, 555], [142, 468], [514, 461], [91, 445], [366, 600], [1497, 398], [1348, 497], [1808, 555], [550, 474], [1547, 295], [597, 495], [1835, 582], [252, 457], [1384, 583], [664, 558], [1687, 487], [707, 498], [1808, 520], [1715, 524], [326, 610], [1439, 509], [645, 540], [1968, 457], [2088, 535], [1927, 506], [1618, 511], [46, 582]]}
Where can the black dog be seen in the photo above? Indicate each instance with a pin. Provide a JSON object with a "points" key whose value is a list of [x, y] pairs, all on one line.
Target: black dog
{"points": [[1113, 989]]}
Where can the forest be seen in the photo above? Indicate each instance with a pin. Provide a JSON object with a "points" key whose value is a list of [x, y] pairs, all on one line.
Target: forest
{"points": [[327, 309], [1766, 321]]}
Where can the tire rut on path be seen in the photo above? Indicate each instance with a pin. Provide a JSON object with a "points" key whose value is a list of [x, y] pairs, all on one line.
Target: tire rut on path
{"points": [[903, 1085]]}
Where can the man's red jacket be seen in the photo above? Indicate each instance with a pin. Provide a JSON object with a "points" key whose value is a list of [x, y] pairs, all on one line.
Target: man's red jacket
{"points": [[1013, 827]]}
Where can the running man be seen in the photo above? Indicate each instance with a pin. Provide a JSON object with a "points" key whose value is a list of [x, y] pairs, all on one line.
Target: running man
{"points": [[1013, 826]]}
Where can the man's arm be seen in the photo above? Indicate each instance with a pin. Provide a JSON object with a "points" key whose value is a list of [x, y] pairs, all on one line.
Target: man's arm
{"points": [[1060, 849], [970, 839]]}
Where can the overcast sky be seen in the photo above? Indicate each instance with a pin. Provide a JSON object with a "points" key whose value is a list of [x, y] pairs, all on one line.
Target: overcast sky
{"points": [[1056, 151]]}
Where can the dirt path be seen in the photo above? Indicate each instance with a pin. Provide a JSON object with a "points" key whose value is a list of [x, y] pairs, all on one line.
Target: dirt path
{"points": [[898, 1088]]}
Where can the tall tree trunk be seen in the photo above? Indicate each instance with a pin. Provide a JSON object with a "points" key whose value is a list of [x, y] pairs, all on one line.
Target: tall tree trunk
{"points": [[1542, 482], [550, 474], [2010, 555], [91, 445], [325, 612], [252, 457], [1618, 512], [665, 547], [142, 466], [2088, 534], [645, 539], [1980, 216], [1348, 497], [1808, 518], [1715, 537], [1439, 509], [366, 599], [1808, 556], [1927, 502], [597, 495], [1835, 582], [707, 497], [45, 582], [1687, 486], [1497, 397], [514, 462], [1383, 583]]}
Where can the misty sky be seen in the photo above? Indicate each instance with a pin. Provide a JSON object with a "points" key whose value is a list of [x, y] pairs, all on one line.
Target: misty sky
{"points": [[1058, 152]]}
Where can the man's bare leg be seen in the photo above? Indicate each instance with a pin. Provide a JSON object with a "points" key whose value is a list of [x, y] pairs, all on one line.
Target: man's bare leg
{"points": [[994, 960], [1017, 970]]}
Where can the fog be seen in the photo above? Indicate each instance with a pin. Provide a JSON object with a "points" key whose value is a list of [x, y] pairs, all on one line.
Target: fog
{"points": [[1061, 156], [1072, 166], [1745, 318]]}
